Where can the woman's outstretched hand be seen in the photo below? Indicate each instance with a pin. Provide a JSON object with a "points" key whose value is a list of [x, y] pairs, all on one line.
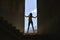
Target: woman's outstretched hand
{"points": [[26, 16], [34, 17]]}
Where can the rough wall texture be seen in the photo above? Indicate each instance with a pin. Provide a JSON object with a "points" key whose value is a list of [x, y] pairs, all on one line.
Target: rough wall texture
{"points": [[48, 13], [12, 10]]}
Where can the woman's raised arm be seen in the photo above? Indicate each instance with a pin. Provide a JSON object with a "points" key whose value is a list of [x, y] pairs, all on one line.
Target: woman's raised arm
{"points": [[34, 17]]}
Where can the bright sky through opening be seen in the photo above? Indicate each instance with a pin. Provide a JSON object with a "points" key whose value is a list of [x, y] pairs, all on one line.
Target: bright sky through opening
{"points": [[30, 7]]}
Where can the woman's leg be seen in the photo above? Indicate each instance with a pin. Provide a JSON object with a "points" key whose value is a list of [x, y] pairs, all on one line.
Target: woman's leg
{"points": [[32, 25], [28, 26]]}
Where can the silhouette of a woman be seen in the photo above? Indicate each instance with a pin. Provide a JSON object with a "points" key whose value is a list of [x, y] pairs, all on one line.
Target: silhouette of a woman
{"points": [[30, 21]]}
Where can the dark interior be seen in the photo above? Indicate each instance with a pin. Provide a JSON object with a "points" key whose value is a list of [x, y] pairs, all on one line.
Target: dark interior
{"points": [[12, 20]]}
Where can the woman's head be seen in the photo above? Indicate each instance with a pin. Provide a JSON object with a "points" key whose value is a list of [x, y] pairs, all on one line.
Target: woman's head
{"points": [[30, 14]]}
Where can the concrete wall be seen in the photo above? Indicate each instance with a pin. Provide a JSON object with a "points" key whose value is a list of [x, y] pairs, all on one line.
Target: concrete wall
{"points": [[48, 16], [48, 13], [12, 10]]}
